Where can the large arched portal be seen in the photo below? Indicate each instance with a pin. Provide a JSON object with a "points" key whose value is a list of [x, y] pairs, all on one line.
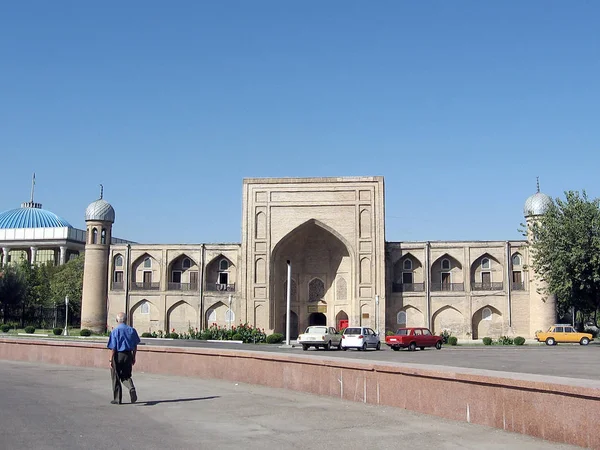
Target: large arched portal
{"points": [[322, 274]]}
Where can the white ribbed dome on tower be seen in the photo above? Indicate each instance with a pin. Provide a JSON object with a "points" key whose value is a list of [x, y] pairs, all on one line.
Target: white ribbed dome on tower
{"points": [[100, 210], [537, 204]]}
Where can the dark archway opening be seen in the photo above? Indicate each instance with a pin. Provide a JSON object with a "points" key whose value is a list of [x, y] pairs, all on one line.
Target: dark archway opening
{"points": [[317, 319]]}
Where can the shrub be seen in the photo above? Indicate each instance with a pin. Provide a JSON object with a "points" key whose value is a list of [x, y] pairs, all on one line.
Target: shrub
{"points": [[57, 331], [236, 337], [487, 340], [85, 332], [5, 327], [446, 335], [519, 340], [452, 340], [147, 335], [275, 338], [29, 329], [505, 340], [173, 335]]}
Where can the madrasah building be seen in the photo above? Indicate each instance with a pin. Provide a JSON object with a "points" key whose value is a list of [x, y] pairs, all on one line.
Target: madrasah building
{"points": [[343, 272]]}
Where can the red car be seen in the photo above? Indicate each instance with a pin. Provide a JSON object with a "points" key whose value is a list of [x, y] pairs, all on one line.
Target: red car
{"points": [[411, 338]]}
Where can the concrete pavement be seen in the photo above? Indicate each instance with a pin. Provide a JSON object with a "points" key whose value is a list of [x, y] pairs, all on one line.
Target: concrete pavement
{"points": [[49, 407]]}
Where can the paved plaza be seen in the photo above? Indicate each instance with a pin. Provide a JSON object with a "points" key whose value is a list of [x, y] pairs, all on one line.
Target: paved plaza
{"points": [[49, 407]]}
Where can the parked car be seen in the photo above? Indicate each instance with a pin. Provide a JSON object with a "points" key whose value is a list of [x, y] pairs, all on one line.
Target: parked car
{"points": [[360, 338], [320, 336], [411, 338], [563, 333]]}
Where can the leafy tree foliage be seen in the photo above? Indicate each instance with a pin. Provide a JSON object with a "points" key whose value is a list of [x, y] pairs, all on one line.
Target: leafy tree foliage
{"points": [[566, 251], [68, 280], [12, 290], [26, 290]]}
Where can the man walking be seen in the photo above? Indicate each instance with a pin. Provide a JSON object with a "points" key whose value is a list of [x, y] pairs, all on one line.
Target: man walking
{"points": [[123, 342]]}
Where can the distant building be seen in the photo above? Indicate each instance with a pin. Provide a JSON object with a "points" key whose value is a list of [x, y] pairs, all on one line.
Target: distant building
{"points": [[39, 236], [343, 272]]}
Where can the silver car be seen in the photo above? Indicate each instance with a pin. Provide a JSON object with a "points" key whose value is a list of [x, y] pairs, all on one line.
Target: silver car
{"points": [[360, 338]]}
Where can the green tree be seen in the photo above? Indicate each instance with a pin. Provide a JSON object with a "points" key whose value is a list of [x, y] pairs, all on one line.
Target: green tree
{"points": [[12, 290], [68, 280], [566, 252]]}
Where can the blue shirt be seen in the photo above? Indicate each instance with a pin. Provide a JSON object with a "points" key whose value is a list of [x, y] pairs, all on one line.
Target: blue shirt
{"points": [[123, 338]]}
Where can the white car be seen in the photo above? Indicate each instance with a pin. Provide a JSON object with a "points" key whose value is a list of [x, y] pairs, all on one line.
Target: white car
{"points": [[360, 338], [320, 336]]}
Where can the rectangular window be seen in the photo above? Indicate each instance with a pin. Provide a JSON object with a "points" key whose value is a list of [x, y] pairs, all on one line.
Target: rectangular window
{"points": [[486, 279], [176, 276], [223, 278], [194, 279], [118, 276], [517, 277], [445, 281], [147, 277], [407, 278]]}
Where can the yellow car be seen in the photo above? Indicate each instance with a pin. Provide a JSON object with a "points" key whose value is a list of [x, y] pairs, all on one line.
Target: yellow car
{"points": [[563, 333]]}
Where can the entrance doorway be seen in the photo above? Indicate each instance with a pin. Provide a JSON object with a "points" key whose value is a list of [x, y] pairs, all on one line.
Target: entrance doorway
{"points": [[317, 319]]}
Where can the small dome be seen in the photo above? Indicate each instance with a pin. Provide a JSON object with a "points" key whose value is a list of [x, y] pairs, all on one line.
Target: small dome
{"points": [[537, 204], [31, 215], [100, 210]]}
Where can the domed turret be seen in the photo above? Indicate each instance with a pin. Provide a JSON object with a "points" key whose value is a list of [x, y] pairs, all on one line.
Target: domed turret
{"points": [[100, 210], [537, 204], [99, 218]]}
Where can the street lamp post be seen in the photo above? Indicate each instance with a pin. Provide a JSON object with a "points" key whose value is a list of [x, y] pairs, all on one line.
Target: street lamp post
{"points": [[229, 313], [377, 313], [66, 332], [288, 303]]}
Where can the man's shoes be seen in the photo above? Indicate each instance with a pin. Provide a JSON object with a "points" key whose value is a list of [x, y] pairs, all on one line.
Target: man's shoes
{"points": [[115, 402], [133, 395]]}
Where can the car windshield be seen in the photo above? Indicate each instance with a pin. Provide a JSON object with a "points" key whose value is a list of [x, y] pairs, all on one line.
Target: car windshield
{"points": [[316, 330], [352, 331], [402, 332]]}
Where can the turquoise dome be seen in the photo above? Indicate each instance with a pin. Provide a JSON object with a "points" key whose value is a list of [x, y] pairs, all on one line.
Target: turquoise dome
{"points": [[31, 217]]}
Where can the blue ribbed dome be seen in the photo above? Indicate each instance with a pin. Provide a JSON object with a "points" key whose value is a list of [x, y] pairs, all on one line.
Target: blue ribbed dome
{"points": [[31, 217]]}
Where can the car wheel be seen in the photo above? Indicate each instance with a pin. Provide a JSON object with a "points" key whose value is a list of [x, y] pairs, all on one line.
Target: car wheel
{"points": [[344, 348], [412, 347], [584, 341], [438, 345], [396, 349], [421, 348], [304, 347], [378, 347], [364, 347], [327, 346], [339, 346], [550, 341]]}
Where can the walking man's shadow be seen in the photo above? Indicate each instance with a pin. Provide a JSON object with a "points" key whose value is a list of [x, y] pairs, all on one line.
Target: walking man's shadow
{"points": [[176, 400]]}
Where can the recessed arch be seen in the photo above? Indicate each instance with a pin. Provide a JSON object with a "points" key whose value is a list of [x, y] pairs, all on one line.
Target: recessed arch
{"points": [[408, 274], [144, 321], [315, 250], [447, 274], [487, 273], [220, 280], [412, 316], [316, 290], [181, 317], [145, 273], [448, 318], [487, 321]]}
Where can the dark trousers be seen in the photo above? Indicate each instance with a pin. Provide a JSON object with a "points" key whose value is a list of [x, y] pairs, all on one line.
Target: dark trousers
{"points": [[120, 372]]}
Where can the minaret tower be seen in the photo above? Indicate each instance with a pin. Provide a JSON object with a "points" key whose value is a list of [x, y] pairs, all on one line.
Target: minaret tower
{"points": [[99, 217], [542, 306]]}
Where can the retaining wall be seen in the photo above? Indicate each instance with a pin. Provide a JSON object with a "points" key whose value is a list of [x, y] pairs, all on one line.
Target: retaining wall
{"points": [[552, 408]]}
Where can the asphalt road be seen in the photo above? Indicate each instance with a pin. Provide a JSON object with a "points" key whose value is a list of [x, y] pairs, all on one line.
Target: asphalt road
{"points": [[49, 407], [563, 360]]}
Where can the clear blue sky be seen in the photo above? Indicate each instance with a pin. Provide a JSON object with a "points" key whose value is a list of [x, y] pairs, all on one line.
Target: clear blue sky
{"points": [[460, 105]]}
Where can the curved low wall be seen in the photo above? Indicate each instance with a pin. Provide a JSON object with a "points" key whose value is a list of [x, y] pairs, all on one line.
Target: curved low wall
{"points": [[552, 408]]}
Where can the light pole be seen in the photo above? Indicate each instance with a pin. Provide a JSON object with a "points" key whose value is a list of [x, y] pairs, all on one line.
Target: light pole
{"points": [[377, 313], [288, 303], [54, 314], [66, 332], [229, 312]]}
